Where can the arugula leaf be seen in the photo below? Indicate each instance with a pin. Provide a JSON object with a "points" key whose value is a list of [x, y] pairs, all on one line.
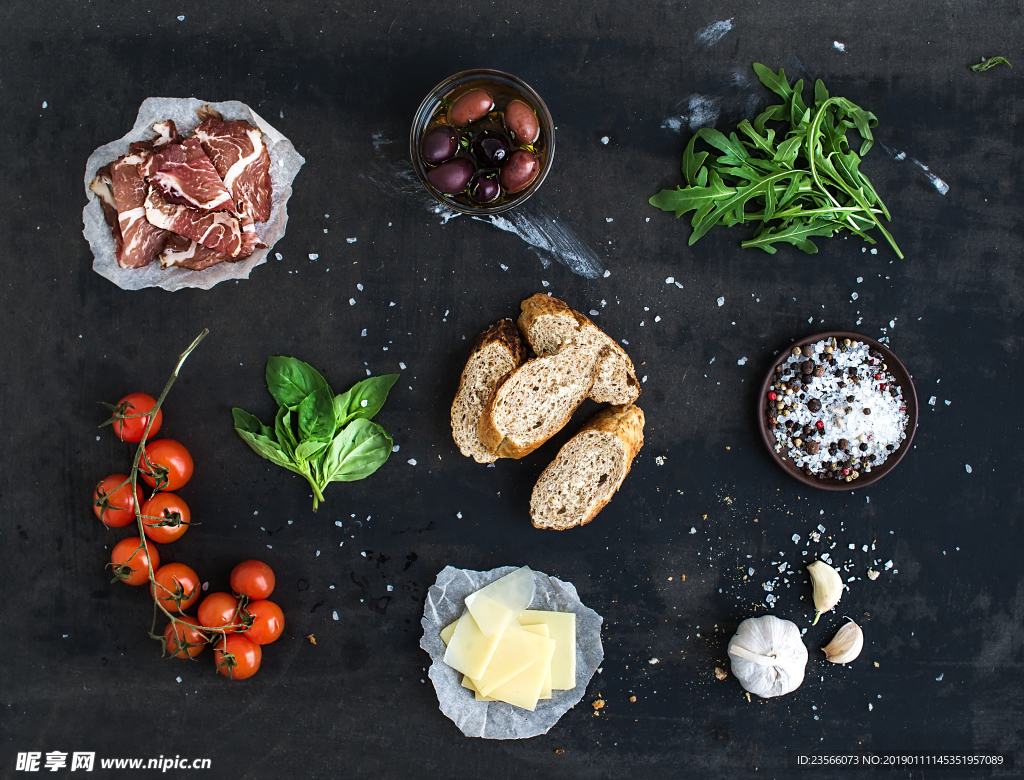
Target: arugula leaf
{"points": [[991, 62], [357, 451], [364, 399], [290, 380], [316, 416], [803, 177]]}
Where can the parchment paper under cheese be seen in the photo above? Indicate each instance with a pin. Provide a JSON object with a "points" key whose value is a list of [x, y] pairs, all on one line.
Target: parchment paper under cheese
{"points": [[284, 164], [495, 719]]}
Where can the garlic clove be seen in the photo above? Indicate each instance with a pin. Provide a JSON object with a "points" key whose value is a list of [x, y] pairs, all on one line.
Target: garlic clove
{"points": [[828, 587], [845, 645]]}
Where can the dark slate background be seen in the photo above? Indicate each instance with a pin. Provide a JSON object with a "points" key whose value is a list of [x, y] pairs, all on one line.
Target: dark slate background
{"points": [[946, 631]]}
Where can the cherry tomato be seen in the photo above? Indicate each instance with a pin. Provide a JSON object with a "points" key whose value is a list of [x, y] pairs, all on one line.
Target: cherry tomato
{"points": [[237, 657], [114, 505], [253, 578], [165, 508], [219, 610], [130, 562], [130, 428], [267, 622], [172, 465], [176, 585], [182, 641]]}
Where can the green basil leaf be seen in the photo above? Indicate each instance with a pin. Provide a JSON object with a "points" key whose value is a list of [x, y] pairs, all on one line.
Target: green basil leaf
{"points": [[309, 450], [250, 423], [991, 62], [269, 449], [357, 451], [290, 381], [364, 399], [316, 416], [283, 427]]}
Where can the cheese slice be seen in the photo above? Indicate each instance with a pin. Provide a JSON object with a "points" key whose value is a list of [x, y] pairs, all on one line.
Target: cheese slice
{"points": [[496, 605], [563, 630], [447, 631], [524, 689], [514, 653], [541, 629], [469, 651], [467, 683]]}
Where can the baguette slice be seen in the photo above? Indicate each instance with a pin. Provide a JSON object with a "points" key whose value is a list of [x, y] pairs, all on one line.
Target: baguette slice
{"points": [[530, 405], [588, 470], [497, 351], [548, 324]]}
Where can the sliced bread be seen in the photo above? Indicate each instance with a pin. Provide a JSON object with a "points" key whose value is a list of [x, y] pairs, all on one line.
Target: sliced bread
{"points": [[588, 470], [497, 351], [548, 324], [530, 405]]}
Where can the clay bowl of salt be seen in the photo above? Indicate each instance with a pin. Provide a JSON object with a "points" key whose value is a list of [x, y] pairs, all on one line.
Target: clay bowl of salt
{"points": [[837, 411]]}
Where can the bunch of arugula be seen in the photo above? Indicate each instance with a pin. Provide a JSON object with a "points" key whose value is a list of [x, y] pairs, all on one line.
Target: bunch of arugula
{"points": [[802, 176], [336, 441]]}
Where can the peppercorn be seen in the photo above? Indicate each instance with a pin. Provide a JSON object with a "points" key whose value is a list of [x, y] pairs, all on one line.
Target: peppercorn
{"points": [[814, 405], [808, 472], [807, 366], [819, 371], [846, 472], [807, 350], [772, 396], [789, 423], [820, 425], [878, 376], [872, 458], [852, 371], [796, 352], [828, 350], [847, 342], [798, 442], [889, 447], [866, 410], [812, 448], [864, 447], [849, 398], [882, 386], [844, 444], [778, 369]]}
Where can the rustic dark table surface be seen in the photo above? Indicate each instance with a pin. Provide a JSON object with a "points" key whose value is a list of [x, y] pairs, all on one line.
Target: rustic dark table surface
{"points": [[626, 83]]}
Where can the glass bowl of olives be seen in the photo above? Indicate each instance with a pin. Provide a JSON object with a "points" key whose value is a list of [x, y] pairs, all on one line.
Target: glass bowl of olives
{"points": [[482, 141]]}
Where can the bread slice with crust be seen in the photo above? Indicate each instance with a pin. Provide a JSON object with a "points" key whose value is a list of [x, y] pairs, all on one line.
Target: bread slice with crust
{"points": [[530, 405], [497, 351], [588, 470], [548, 324]]}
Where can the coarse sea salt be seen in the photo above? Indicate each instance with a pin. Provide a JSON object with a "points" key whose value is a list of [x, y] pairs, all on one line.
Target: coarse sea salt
{"points": [[860, 402]]}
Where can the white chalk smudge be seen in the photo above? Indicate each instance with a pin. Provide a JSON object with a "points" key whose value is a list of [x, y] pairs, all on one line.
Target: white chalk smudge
{"points": [[937, 183], [536, 224], [697, 111], [713, 33], [839, 46]]}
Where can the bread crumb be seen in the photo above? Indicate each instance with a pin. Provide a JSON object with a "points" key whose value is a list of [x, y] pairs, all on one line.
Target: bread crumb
{"points": [[720, 673], [312, 641], [597, 705], [632, 699], [559, 751]]}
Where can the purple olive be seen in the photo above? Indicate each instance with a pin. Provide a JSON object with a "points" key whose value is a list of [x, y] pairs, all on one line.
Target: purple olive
{"points": [[490, 148], [439, 144], [474, 105], [451, 177], [521, 122], [484, 187], [520, 170]]}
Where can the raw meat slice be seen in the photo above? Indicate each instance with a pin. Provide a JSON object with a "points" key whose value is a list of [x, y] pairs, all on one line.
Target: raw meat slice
{"points": [[219, 230], [142, 241], [184, 175], [183, 252], [241, 158], [102, 185]]}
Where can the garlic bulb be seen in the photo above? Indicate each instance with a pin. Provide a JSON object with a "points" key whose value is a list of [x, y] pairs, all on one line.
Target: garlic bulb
{"points": [[828, 587], [845, 645], [768, 657]]}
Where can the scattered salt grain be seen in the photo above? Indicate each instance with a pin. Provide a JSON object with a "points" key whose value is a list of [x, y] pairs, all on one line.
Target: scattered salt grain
{"points": [[181, 18], [854, 296], [206, 586], [359, 287], [313, 256], [364, 332], [351, 301], [658, 319], [594, 312], [721, 301], [693, 530], [796, 538], [860, 279], [546, 284], [503, 266], [351, 240], [888, 564], [653, 661], [605, 139], [641, 381], [741, 362], [608, 219], [968, 467], [411, 461], [839, 46], [669, 280], [395, 448], [932, 400], [278, 255], [607, 274], [335, 615], [402, 366]]}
